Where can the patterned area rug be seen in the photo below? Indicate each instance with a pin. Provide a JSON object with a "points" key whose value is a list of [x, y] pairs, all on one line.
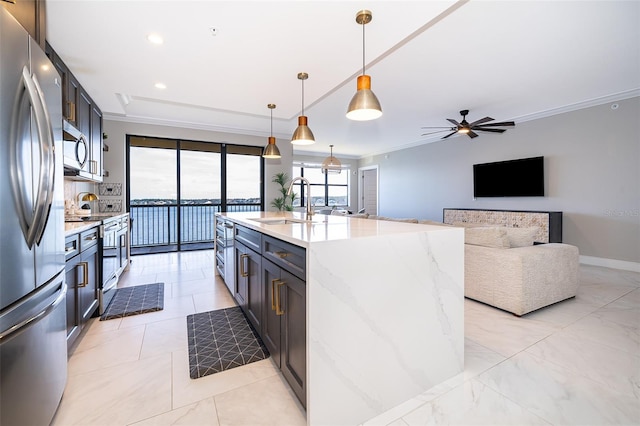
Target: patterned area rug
{"points": [[135, 300], [220, 340]]}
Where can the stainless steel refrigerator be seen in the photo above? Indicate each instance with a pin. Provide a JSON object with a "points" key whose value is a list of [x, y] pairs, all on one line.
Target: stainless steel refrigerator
{"points": [[33, 349]]}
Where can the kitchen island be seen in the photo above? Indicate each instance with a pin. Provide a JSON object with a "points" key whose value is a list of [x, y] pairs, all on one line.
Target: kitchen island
{"points": [[384, 309]]}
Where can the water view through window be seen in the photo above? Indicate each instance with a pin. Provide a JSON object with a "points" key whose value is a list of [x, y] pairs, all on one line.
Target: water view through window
{"points": [[176, 187]]}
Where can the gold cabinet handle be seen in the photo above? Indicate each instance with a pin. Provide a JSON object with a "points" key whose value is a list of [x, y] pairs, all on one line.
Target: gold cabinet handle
{"points": [[279, 310], [273, 294], [243, 272], [85, 274], [92, 238], [281, 254]]}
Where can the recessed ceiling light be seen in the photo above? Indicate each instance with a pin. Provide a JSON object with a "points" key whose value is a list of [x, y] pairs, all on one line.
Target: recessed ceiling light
{"points": [[161, 86], [155, 39]]}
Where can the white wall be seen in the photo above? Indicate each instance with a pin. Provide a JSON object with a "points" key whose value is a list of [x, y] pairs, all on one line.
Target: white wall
{"points": [[592, 162], [115, 158]]}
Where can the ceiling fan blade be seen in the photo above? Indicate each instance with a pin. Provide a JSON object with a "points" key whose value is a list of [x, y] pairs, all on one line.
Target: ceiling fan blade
{"points": [[482, 120], [454, 122], [435, 127], [481, 129], [450, 134], [472, 134], [437, 131], [501, 124]]}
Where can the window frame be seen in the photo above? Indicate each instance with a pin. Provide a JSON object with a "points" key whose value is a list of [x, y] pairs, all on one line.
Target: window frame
{"points": [[326, 185]]}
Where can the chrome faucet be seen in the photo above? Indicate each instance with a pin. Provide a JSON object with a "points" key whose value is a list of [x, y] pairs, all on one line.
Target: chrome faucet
{"points": [[305, 180]]}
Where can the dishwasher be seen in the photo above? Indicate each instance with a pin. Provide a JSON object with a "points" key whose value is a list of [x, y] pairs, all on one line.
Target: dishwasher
{"points": [[225, 259]]}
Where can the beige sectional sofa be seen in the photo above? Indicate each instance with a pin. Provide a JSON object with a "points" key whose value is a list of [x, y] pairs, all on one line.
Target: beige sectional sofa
{"points": [[512, 274], [503, 267]]}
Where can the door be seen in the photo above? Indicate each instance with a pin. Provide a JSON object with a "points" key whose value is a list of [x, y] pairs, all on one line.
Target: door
{"points": [[368, 189], [32, 210], [88, 284], [50, 247], [271, 320], [292, 293], [249, 284]]}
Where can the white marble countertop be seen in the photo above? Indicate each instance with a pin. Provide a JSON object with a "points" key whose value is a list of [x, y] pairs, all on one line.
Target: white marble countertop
{"points": [[324, 228], [71, 228]]}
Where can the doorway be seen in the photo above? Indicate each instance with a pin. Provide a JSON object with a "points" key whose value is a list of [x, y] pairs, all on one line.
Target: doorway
{"points": [[368, 189]]}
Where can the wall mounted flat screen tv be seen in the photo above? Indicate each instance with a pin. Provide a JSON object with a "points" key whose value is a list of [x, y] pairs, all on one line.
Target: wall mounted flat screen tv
{"points": [[523, 177]]}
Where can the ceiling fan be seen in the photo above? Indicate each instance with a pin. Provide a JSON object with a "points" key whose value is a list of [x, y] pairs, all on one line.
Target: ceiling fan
{"points": [[470, 129]]}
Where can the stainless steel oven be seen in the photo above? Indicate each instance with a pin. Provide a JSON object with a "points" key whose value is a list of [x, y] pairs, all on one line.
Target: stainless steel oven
{"points": [[225, 260]]}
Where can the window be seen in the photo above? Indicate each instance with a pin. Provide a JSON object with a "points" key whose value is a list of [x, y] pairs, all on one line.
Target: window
{"points": [[327, 190], [175, 187]]}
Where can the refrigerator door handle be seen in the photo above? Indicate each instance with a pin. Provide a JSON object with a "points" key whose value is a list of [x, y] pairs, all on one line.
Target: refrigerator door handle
{"points": [[31, 222], [47, 162], [23, 325]]}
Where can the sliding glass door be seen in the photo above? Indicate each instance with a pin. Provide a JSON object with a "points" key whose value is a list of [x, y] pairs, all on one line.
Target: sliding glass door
{"points": [[176, 187]]}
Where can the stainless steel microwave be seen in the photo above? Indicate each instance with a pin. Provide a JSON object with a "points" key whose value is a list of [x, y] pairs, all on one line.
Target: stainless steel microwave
{"points": [[76, 148]]}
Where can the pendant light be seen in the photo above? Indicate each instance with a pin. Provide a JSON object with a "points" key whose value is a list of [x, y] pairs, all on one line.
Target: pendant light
{"points": [[271, 150], [302, 135], [331, 164], [364, 105]]}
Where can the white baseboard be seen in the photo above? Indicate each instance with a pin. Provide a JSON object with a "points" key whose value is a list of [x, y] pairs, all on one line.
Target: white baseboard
{"points": [[610, 263]]}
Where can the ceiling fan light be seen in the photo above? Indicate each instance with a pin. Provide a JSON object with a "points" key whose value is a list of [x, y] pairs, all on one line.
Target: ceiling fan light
{"points": [[463, 130], [302, 134], [271, 150], [364, 105]]}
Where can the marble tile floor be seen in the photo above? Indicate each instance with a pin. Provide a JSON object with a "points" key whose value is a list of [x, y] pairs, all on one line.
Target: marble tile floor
{"points": [[574, 363]]}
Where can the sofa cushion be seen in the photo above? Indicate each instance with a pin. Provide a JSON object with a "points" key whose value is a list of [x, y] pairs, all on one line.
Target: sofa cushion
{"points": [[471, 224], [522, 237], [489, 236]]}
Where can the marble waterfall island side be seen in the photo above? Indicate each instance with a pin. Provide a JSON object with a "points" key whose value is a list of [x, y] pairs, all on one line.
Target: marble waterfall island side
{"points": [[385, 312]]}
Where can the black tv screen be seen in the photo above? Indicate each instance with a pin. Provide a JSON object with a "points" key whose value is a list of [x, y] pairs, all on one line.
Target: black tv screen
{"points": [[514, 178]]}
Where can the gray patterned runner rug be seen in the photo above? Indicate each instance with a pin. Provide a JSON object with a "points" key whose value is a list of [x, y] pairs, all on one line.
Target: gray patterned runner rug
{"points": [[135, 300], [221, 340]]}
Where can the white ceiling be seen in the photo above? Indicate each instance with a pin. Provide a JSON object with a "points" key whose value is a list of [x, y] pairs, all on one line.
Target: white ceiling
{"points": [[511, 60]]}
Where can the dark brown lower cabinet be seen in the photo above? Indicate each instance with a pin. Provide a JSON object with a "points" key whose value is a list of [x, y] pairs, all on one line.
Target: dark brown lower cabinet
{"points": [[82, 274], [248, 283], [284, 325]]}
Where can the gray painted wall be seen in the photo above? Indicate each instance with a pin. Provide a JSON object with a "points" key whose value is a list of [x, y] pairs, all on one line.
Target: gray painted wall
{"points": [[592, 162], [115, 158]]}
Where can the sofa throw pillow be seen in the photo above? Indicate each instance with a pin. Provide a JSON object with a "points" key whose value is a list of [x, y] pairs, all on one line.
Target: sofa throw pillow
{"points": [[495, 237], [522, 237]]}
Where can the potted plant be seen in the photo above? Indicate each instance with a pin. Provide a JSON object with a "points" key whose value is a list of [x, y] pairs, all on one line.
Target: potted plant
{"points": [[284, 202]]}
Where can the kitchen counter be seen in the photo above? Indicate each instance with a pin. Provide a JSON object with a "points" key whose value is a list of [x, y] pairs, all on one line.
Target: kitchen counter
{"points": [[73, 227], [385, 310]]}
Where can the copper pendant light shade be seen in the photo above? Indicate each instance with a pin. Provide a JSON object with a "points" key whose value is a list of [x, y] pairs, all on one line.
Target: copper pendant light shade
{"points": [[271, 150], [364, 105], [302, 135]]}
